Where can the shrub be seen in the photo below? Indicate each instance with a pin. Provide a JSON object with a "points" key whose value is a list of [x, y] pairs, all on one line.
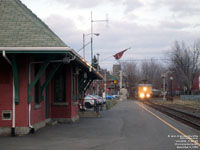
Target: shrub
{"points": [[110, 103]]}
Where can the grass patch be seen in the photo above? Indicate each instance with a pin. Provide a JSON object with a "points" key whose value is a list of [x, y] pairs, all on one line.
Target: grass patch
{"points": [[188, 103], [110, 103]]}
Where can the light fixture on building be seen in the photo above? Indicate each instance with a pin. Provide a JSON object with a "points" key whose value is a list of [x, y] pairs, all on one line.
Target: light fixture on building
{"points": [[85, 75]]}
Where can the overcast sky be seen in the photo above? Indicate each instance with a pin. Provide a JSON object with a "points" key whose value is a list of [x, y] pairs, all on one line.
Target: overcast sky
{"points": [[149, 27]]}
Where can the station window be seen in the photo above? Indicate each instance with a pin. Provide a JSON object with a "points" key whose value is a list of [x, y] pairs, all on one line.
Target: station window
{"points": [[6, 115], [5, 72], [59, 86]]}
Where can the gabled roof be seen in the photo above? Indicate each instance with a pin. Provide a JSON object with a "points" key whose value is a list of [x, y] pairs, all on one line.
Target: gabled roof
{"points": [[21, 31], [19, 27]]}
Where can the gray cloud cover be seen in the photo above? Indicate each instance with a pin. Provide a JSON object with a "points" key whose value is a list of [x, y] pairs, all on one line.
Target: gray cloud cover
{"points": [[130, 5], [146, 41], [183, 7]]}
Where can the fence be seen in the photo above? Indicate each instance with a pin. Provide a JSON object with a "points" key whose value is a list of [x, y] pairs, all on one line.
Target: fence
{"points": [[190, 97]]}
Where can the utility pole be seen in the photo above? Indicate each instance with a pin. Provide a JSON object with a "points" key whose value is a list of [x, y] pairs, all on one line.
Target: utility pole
{"points": [[104, 95], [91, 40], [84, 45], [120, 82], [120, 76], [164, 92], [106, 20], [164, 76]]}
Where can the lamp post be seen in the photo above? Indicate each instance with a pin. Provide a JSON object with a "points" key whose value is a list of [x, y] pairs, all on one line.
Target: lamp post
{"points": [[171, 79], [84, 35], [104, 95], [164, 76], [164, 92]]}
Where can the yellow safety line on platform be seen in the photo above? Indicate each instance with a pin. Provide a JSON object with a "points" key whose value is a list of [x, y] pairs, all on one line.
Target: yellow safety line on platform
{"points": [[171, 126]]}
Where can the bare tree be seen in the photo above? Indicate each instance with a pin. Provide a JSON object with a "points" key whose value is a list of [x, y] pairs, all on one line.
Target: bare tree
{"points": [[184, 64], [131, 75], [151, 71]]}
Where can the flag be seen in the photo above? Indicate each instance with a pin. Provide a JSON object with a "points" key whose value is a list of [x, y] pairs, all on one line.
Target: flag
{"points": [[119, 55]]}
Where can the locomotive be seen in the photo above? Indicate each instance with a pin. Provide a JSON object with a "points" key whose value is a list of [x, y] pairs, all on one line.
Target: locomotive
{"points": [[144, 91]]}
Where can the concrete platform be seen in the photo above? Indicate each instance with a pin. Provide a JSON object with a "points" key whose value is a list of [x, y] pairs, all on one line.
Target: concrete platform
{"points": [[127, 126], [89, 114]]}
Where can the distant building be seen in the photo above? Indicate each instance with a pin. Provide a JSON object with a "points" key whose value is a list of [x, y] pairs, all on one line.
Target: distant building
{"points": [[112, 84], [116, 73], [116, 70]]}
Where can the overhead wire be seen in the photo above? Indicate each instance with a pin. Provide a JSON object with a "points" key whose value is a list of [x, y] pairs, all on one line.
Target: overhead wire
{"points": [[83, 46]]}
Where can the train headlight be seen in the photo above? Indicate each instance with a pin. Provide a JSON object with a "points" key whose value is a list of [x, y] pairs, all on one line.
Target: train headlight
{"points": [[141, 95], [148, 95], [144, 89]]}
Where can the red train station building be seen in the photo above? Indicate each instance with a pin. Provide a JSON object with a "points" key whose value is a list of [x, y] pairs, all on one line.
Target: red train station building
{"points": [[41, 78]]}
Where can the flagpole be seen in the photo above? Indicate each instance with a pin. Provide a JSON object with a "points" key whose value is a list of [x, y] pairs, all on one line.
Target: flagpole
{"points": [[120, 79], [92, 62], [91, 40], [105, 86]]}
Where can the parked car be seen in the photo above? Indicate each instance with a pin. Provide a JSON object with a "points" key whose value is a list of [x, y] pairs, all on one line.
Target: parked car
{"points": [[100, 99], [88, 101], [116, 96], [91, 100], [109, 97], [96, 99]]}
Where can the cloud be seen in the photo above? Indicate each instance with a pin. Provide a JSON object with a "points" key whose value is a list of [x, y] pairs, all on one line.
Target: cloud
{"points": [[183, 7], [146, 41], [176, 25], [66, 29], [80, 3], [129, 5]]}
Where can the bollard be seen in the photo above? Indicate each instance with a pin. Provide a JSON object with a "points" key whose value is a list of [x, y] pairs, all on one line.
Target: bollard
{"points": [[97, 108], [101, 107]]}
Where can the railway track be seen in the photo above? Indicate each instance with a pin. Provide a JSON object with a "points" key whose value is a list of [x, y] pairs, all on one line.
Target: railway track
{"points": [[189, 119]]}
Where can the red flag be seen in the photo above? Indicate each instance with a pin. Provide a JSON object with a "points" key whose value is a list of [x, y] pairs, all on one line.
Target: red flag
{"points": [[119, 55]]}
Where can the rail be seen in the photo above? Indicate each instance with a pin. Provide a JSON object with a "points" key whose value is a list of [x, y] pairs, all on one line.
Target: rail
{"points": [[189, 119]]}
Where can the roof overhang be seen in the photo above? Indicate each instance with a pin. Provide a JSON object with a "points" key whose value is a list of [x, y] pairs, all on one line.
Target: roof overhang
{"points": [[51, 50]]}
